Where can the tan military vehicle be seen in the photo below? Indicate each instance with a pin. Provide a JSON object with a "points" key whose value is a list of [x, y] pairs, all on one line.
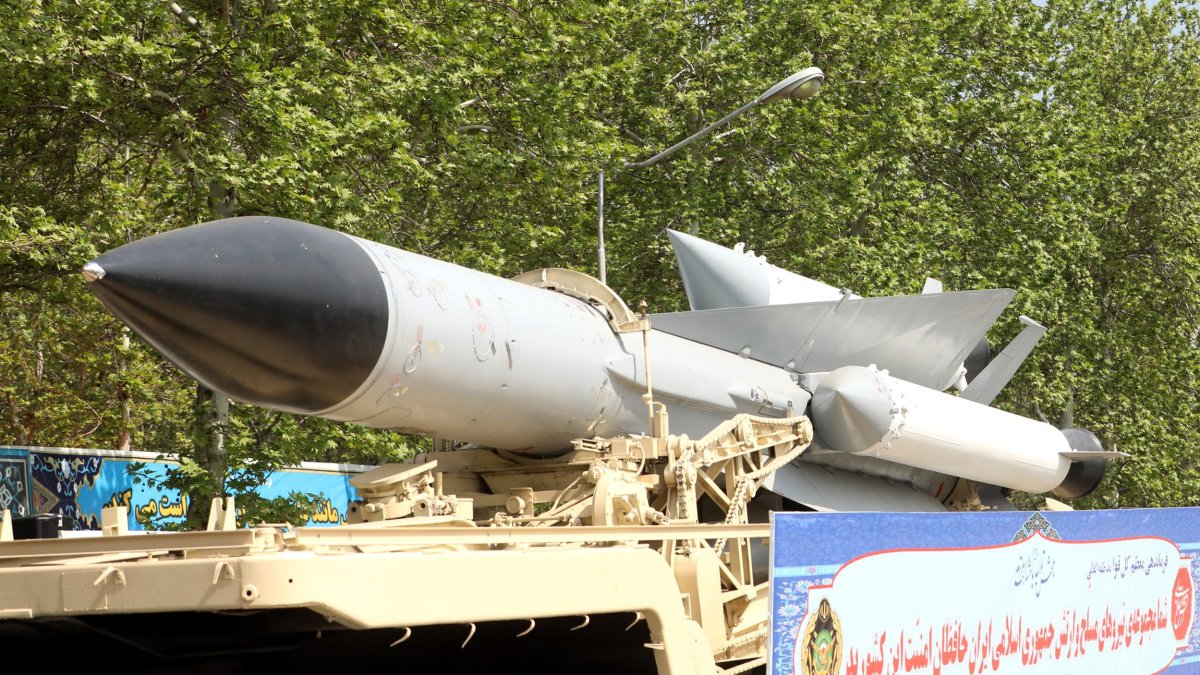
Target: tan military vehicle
{"points": [[637, 554]]}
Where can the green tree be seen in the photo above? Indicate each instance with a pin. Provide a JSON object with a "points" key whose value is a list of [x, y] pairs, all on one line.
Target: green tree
{"points": [[1050, 147]]}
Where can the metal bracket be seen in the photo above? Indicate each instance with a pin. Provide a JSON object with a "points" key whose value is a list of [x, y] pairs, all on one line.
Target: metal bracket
{"points": [[587, 288], [223, 570], [110, 571]]}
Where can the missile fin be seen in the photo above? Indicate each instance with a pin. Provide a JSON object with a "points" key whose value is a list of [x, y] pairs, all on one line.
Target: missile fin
{"points": [[715, 277], [988, 383], [918, 338], [992, 497], [1078, 455], [932, 286], [825, 489]]}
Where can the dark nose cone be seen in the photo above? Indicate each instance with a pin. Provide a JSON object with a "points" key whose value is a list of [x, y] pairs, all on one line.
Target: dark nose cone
{"points": [[269, 311]]}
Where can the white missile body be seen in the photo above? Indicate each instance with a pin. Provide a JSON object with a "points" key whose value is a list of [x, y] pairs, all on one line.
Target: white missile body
{"points": [[296, 317], [864, 411], [478, 358]]}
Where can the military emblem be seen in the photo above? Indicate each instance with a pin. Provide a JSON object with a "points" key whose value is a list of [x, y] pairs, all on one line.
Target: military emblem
{"points": [[1036, 523], [1182, 597], [822, 642]]}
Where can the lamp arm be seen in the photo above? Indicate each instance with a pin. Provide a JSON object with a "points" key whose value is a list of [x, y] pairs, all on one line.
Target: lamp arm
{"points": [[678, 146]]}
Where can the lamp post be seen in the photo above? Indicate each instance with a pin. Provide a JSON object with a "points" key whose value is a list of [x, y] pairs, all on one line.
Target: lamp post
{"points": [[797, 86]]}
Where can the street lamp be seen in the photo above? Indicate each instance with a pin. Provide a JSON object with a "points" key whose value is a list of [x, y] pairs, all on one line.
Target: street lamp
{"points": [[797, 86]]}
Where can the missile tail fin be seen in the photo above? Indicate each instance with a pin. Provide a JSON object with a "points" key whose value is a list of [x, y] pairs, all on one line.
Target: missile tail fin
{"points": [[1079, 455], [715, 276], [988, 384], [825, 489]]}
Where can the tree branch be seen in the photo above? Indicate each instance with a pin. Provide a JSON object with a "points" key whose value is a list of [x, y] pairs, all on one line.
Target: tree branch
{"points": [[187, 18]]}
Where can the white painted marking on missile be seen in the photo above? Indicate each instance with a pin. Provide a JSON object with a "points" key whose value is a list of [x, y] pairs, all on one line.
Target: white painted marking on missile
{"points": [[411, 282], [413, 359], [392, 394], [437, 290], [386, 419], [483, 339], [414, 355]]}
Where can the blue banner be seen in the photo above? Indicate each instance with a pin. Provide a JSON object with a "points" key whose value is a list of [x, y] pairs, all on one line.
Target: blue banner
{"points": [[1059, 592], [78, 483], [14, 482]]}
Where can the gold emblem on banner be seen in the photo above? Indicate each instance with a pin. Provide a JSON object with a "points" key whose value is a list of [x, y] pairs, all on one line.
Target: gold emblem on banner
{"points": [[822, 642]]}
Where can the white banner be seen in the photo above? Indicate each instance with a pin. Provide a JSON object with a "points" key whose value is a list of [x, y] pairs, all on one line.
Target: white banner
{"points": [[1122, 606]]}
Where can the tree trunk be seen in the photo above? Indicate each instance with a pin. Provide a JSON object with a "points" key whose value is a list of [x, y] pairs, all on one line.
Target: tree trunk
{"points": [[212, 420], [212, 407], [125, 433]]}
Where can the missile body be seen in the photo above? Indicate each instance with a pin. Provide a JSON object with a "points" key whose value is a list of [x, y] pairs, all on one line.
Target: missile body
{"points": [[865, 412], [299, 318], [296, 317]]}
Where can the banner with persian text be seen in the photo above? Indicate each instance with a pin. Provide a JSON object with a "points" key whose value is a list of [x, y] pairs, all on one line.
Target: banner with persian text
{"points": [[77, 483], [988, 592]]}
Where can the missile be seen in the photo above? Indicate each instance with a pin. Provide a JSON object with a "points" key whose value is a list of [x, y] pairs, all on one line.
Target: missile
{"points": [[299, 318], [864, 411], [715, 277]]}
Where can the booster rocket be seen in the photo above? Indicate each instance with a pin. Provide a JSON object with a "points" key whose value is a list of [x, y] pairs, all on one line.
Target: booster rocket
{"points": [[299, 318]]}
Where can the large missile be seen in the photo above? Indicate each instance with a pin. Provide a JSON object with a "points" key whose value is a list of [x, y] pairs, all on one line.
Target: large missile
{"points": [[295, 317], [299, 318]]}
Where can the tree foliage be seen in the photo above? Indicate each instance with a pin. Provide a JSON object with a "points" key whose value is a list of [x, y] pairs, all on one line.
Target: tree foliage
{"points": [[1050, 147]]}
